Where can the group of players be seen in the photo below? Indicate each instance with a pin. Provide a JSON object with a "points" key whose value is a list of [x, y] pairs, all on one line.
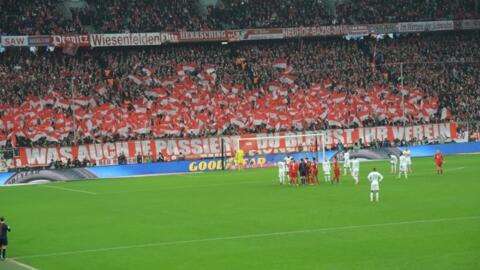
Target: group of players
{"points": [[290, 171], [308, 170], [405, 166]]}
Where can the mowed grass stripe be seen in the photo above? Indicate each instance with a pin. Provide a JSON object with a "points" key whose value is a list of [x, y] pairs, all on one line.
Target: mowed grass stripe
{"points": [[248, 236]]}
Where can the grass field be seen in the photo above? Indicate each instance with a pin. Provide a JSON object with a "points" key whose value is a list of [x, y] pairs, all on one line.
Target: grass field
{"points": [[245, 220]]}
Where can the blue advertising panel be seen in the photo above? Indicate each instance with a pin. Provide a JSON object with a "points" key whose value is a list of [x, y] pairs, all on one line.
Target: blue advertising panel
{"points": [[446, 149]]}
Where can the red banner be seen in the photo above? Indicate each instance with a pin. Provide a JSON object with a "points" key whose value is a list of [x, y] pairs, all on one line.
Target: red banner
{"points": [[62, 41], [107, 153]]}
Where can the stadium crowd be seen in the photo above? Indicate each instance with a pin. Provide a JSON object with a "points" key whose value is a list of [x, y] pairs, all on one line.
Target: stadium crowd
{"points": [[211, 89], [38, 17], [380, 11], [47, 17]]}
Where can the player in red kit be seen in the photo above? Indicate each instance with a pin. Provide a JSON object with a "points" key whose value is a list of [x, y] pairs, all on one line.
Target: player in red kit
{"points": [[336, 170], [296, 164], [309, 172], [291, 172], [439, 162]]}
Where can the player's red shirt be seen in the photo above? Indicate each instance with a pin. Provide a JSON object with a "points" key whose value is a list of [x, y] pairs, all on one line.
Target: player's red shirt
{"points": [[335, 165], [291, 168], [439, 158], [295, 168], [315, 168]]}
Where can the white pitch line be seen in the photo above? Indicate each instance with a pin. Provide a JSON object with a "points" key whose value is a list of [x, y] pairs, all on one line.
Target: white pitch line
{"points": [[22, 264], [70, 189], [247, 236]]}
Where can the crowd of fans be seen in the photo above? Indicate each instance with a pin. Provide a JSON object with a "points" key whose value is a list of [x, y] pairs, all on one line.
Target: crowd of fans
{"points": [[242, 14], [46, 16], [445, 66], [432, 65], [38, 17], [380, 11], [146, 16]]}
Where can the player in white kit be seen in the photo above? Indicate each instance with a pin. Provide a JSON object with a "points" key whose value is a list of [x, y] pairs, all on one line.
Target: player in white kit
{"points": [[408, 154], [355, 169], [346, 162], [393, 163], [403, 166], [281, 171], [326, 170], [375, 178]]}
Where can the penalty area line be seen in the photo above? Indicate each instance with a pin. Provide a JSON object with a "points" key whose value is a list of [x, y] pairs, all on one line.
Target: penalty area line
{"points": [[69, 189], [249, 236]]}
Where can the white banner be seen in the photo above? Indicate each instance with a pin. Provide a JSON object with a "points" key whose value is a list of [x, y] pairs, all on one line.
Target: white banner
{"points": [[131, 39], [425, 26], [16, 41]]}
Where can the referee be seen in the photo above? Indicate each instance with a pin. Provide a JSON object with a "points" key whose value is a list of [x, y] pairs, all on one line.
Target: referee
{"points": [[4, 229]]}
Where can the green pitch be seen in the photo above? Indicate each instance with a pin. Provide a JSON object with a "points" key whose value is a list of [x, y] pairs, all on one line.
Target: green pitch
{"points": [[245, 220]]}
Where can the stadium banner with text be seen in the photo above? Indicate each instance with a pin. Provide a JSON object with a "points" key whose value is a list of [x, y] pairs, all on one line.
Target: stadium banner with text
{"points": [[209, 35], [212, 164], [62, 41], [425, 26], [333, 30], [132, 39], [159, 38], [107, 153], [14, 41], [467, 24], [261, 34], [39, 41]]}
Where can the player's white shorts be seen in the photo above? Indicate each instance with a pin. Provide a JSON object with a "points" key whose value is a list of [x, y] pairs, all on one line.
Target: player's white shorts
{"points": [[393, 163], [346, 163], [403, 167], [281, 173], [375, 187], [355, 172], [409, 161], [326, 172]]}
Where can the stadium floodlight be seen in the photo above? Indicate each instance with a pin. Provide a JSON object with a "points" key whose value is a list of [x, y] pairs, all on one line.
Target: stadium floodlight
{"points": [[50, 48], [33, 49], [224, 43], [304, 145]]}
